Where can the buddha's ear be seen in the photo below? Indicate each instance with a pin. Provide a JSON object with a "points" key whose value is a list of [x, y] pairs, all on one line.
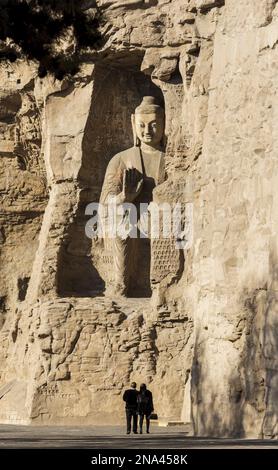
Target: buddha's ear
{"points": [[136, 141]]}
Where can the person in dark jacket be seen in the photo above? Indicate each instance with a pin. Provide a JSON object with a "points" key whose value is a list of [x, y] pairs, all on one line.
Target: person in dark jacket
{"points": [[130, 398], [145, 407]]}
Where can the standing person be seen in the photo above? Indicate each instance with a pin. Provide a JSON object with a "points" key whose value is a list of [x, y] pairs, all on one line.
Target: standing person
{"points": [[145, 407], [130, 398]]}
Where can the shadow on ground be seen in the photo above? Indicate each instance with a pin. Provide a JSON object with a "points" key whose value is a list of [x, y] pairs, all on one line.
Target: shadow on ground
{"points": [[114, 437]]}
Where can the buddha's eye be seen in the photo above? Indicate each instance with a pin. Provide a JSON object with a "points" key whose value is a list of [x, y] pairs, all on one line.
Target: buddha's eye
{"points": [[142, 124]]}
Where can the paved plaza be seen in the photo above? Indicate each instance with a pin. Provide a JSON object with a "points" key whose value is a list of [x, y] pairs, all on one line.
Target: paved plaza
{"points": [[114, 437]]}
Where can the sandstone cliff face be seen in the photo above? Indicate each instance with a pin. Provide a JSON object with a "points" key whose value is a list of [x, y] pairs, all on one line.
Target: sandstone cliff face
{"points": [[235, 250], [208, 347]]}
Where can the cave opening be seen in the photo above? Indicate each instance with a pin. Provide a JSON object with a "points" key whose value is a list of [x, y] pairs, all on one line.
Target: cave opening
{"points": [[119, 87]]}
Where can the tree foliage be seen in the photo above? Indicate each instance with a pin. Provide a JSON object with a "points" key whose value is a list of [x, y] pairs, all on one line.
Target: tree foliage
{"points": [[32, 27]]}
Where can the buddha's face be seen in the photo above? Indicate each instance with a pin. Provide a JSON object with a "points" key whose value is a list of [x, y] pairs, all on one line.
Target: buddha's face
{"points": [[149, 128]]}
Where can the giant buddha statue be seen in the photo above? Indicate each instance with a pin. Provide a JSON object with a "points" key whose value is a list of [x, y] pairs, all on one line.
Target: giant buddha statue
{"points": [[130, 177]]}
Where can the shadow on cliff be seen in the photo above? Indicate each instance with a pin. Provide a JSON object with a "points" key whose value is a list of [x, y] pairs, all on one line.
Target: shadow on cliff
{"points": [[259, 367], [214, 415], [249, 408], [76, 274]]}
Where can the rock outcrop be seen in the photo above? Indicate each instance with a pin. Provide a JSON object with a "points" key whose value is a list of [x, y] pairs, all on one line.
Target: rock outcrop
{"points": [[207, 346]]}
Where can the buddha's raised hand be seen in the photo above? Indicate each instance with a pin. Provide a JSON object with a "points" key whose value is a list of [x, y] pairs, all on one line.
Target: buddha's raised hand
{"points": [[132, 184]]}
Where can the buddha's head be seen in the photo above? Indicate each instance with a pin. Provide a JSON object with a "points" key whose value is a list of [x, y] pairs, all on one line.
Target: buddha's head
{"points": [[148, 122]]}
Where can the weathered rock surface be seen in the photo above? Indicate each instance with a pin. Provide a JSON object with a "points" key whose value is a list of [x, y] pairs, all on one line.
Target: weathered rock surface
{"points": [[208, 351], [79, 354]]}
